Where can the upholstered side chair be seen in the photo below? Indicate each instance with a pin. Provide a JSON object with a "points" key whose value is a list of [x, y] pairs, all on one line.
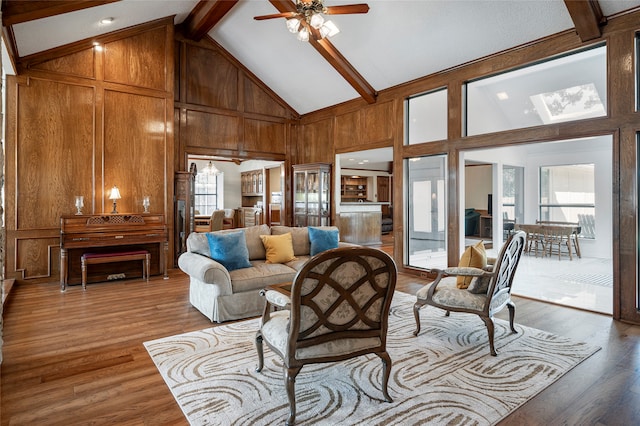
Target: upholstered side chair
{"points": [[216, 221], [338, 308], [489, 292]]}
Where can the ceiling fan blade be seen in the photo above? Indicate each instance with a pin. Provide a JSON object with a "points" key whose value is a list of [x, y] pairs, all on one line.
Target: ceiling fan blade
{"points": [[347, 8], [275, 15]]}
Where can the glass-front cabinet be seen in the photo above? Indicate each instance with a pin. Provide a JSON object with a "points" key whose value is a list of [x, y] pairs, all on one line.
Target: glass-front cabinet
{"points": [[312, 197]]}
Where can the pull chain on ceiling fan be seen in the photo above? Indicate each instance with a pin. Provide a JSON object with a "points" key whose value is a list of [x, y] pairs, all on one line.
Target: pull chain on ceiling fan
{"points": [[308, 18]]}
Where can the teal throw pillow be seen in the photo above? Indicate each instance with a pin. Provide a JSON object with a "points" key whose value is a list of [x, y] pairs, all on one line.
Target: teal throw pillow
{"points": [[229, 249], [322, 239]]}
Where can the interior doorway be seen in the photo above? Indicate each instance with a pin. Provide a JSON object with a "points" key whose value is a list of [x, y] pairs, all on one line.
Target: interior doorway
{"points": [[564, 181]]}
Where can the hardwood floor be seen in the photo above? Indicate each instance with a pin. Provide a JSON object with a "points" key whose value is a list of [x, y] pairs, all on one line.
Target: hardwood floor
{"points": [[77, 357]]}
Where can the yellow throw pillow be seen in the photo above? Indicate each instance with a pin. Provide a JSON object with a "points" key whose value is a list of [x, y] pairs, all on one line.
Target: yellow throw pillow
{"points": [[475, 257], [279, 248]]}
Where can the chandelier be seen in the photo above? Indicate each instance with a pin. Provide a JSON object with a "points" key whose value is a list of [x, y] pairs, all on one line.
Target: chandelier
{"points": [[210, 169], [311, 12]]}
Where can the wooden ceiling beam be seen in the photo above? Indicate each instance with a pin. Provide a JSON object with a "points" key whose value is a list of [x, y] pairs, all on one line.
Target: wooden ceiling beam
{"points": [[17, 11], [204, 16], [587, 17], [334, 57]]}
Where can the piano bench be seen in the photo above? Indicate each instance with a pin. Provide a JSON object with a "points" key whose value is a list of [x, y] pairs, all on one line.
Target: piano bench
{"points": [[96, 258]]}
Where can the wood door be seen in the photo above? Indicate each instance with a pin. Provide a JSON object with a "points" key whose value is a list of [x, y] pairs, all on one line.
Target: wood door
{"points": [[384, 193]]}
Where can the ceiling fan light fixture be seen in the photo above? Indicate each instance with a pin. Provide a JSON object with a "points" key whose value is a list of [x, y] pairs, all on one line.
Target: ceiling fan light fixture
{"points": [[303, 34], [316, 21], [293, 25], [329, 29]]}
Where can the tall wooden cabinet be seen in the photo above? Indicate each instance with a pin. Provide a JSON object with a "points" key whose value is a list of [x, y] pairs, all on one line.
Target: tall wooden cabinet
{"points": [[184, 209], [312, 194]]}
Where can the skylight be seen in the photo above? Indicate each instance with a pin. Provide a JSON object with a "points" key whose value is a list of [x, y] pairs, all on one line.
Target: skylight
{"points": [[572, 103]]}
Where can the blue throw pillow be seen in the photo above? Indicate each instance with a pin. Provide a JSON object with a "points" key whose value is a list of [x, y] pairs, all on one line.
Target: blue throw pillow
{"points": [[229, 249], [322, 239]]}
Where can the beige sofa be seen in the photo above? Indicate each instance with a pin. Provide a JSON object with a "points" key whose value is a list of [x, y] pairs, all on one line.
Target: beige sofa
{"points": [[223, 295]]}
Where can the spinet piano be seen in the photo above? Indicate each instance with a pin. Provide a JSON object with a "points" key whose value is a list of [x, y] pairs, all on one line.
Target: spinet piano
{"points": [[110, 233]]}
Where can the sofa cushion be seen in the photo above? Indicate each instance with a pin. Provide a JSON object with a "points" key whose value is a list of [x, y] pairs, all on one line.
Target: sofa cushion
{"points": [[279, 248], [322, 239], [299, 237], [229, 249], [260, 275]]}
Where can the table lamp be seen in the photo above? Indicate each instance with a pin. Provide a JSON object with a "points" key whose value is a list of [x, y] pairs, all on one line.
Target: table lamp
{"points": [[115, 195]]}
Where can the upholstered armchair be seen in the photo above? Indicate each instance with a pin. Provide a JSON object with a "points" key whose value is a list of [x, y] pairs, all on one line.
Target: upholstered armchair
{"points": [[216, 221], [338, 308], [489, 292]]}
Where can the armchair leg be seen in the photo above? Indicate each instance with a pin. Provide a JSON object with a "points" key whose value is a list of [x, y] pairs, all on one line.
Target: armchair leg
{"points": [[512, 315], [490, 329], [416, 314], [386, 372], [290, 383], [260, 352]]}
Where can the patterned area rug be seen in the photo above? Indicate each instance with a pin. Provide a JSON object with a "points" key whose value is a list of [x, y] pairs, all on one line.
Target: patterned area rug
{"points": [[444, 376]]}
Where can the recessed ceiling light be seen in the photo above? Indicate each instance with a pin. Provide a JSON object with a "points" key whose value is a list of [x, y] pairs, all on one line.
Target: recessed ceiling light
{"points": [[502, 96], [106, 21]]}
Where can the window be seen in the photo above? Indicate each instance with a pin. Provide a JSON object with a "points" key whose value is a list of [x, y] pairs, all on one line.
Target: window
{"points": [[427, 209], [571, 87], [427, 117], [567, 194], [206, 192]]}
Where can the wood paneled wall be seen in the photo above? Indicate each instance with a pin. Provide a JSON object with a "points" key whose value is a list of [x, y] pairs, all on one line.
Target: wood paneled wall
{"points": [[81, 119], [222, 109]]}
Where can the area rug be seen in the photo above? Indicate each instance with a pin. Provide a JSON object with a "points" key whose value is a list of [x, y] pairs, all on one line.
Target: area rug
{"points": [[443, 376]]}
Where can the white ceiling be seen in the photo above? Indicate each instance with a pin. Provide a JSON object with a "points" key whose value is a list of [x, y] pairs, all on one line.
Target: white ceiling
{"points": [[395, 42]]}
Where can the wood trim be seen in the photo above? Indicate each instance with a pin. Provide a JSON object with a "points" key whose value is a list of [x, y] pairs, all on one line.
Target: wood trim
{"points": [[15, 12], [587, 17], [205, 16], [88, 43]]}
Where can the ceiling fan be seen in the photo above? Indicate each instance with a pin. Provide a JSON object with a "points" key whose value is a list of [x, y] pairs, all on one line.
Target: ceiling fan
{"points": [[308, 18]]}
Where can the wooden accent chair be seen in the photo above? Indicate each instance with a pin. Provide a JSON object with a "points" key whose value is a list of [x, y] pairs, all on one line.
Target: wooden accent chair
{"points": [[338, 309], [216, 221], [443, 292]]}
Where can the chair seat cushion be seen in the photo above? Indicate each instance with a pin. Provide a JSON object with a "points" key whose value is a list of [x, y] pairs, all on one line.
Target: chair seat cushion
{"points": [[275, 332], [447, 293]]}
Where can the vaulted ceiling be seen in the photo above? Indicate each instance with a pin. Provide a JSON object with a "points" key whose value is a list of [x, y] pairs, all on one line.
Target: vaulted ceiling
{"points": [[395, 42]]}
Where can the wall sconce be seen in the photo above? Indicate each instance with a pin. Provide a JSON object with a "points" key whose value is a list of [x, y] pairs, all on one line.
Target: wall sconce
{"points": [[79, 203], [146, 203], [115, 195]]}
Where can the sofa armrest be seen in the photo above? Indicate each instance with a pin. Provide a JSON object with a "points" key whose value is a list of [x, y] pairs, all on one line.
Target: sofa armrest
{"points": [[206, 270]]}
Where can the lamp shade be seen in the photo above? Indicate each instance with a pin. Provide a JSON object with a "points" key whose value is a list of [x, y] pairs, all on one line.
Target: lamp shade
{"points": [[115, 193]]}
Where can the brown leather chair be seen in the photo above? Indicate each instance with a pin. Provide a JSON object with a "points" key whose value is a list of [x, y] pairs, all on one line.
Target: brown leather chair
{"points": [[335, 327]]}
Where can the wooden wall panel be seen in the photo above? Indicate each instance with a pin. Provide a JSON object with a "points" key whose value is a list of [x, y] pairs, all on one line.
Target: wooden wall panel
{"points": [[140, 60], [211, 130], [378, 124], [81, 64], [134, 156], [264, 136], [38, 257], [259, 102], [211, 79], [348, 133], [54, 151], [316, 143]]}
